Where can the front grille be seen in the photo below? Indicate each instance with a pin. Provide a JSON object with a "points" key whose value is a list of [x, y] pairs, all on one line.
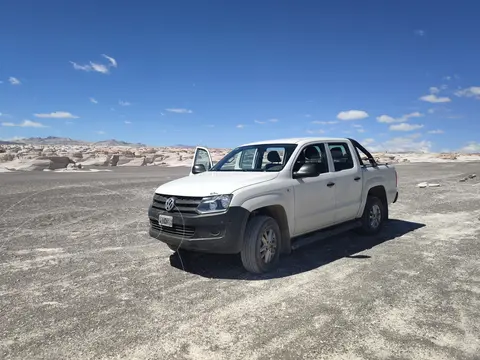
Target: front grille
{"points": [[183, 204], [179, 230]]}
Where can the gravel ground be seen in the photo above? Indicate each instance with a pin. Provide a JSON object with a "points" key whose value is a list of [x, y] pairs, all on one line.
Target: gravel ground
{"points": [[81, 279]]}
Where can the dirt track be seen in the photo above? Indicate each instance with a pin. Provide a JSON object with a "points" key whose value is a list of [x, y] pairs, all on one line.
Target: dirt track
{"points": [[81, 279]]}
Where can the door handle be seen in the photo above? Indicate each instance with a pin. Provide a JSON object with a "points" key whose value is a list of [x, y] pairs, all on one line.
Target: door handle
{"points": [[330, 184], [357, 178]]}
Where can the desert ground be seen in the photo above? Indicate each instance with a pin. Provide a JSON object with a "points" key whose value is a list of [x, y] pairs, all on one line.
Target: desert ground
{"points": [[81, 279]]}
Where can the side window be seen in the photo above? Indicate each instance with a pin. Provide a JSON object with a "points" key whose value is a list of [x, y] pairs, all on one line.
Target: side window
{"points": [[273, 158], [202, 158], [315, 154], [247, 158], [342, 158]]}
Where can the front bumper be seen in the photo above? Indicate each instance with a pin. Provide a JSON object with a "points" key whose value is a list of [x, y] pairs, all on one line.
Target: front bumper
{"points": [[212, 233]]}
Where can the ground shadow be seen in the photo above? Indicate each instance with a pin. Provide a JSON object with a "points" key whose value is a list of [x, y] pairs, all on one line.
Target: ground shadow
{"points": [[301, 260]]}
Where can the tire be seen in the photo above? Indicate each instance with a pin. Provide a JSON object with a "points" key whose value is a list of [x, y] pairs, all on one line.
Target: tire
{"points": [[262, 232], [373, 217]]}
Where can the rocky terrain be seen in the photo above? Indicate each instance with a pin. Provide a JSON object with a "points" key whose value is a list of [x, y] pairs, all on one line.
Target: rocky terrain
{"points": [[63, 154]]}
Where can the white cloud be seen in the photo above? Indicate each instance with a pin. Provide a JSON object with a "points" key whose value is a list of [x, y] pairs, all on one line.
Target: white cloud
{"points": [[405, 127], [368, 141], [180, 111], [57, 115], [469, 92], [123, 103], [5, 115], [319, 131], [438, 131], [361, 131], [388, 119], [99, 68], [210, 126], [357, 125], [403, 144], [240, 126], [431, 111], [93, 100], [113, 62], [93, 66], [260, 122], [25, 123], [471, 147], [308, 115], [162, 114], [127, 122], [432, 98], [434, 90], [324, 122], [352, 115], [100, 132], [419, 32], [273, 120], [28, 123], [14, 81], [81, 67]]}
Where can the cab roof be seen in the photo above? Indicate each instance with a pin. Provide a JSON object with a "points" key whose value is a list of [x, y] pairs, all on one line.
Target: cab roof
{"points": [[299, 141]]}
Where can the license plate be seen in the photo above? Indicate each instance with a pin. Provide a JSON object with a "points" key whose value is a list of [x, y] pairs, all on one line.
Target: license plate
{"points": [[165, 220]]}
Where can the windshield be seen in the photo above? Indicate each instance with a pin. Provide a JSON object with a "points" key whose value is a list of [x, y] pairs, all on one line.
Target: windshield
{"points": [[262, 157]]}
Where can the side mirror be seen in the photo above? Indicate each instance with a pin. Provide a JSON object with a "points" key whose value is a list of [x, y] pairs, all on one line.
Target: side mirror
{"points": [[307, 170], [199, 168]]}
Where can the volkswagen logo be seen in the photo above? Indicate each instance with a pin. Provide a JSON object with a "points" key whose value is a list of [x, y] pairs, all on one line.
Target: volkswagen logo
{"points": [[170, 204]]}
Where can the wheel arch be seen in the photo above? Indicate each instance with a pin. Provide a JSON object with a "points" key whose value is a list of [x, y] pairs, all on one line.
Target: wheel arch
{"points": [[278, 213], [379, 192]]}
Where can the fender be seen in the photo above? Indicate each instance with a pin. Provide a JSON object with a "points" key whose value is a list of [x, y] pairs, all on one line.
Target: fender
{"points": [[371, 183], [282, 198]]}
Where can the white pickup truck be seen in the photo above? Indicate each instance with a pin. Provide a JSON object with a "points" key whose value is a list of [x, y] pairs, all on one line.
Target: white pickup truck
{"points": [[266, 198]]}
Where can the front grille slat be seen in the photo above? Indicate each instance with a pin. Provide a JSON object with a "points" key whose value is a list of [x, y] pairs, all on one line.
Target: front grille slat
{"points": [[179, 230], [183, 204]]}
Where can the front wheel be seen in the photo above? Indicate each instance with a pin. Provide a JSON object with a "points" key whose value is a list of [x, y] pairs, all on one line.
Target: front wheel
{"points": [[261, 247], [374, 216]]}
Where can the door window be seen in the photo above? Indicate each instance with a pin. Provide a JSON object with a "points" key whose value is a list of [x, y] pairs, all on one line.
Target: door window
{"points": [[202, 158], [341, 155], [312, 154]]}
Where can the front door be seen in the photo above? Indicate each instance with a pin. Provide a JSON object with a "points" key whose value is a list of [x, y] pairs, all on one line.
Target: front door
{"points": [[202, 161], [315, 196], [348, 181]]}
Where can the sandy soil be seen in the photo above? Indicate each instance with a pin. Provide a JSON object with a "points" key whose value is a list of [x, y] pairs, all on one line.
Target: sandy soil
{"points": [[81, 279]]}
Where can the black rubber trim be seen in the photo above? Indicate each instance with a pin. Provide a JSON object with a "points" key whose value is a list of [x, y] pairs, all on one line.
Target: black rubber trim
{"points": [[220, 233], [396, 198]]}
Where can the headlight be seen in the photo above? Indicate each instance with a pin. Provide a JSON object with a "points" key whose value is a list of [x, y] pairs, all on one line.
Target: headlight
{"points": [[216, 203]]}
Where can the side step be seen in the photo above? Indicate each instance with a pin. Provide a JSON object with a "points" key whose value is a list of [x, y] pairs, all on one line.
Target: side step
{"points": [[323, 234]]}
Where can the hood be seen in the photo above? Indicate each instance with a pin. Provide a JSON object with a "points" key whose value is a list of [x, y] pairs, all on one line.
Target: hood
{"points": [[219, 182]]}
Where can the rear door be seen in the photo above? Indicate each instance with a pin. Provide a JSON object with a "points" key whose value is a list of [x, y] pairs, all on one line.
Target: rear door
{"points": [[315, 196], [348, 181], [201, 158]]}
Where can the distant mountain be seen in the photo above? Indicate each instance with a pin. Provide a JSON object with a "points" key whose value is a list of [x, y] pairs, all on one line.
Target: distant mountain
{"points": [[4, 142], [51, 140], [54, 140], [184, 146], [113, 142]]}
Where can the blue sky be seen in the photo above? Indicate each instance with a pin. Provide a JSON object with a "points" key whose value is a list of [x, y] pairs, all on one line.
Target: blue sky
{"points": [[395, 75]]}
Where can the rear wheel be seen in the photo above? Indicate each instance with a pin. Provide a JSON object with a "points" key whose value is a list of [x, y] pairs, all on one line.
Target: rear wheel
{"points": [[374, 216], [261, 247]]}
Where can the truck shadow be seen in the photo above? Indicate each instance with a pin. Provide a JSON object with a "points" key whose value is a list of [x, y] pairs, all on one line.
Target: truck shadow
{"points": [[301, 260]]}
